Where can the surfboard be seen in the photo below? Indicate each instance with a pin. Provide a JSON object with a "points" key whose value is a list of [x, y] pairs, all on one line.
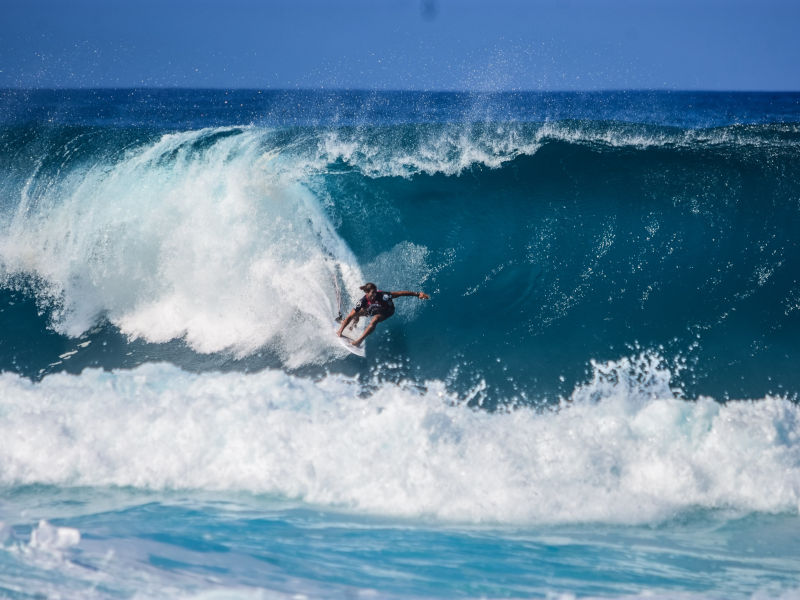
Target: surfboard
{"points": [[346, 341]]}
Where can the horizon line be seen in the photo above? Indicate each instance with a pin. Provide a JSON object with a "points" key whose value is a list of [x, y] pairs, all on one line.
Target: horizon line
{"points": [[401, 90]]}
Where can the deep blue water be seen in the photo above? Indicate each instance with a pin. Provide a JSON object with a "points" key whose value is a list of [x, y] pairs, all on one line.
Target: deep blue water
{"points": [[600, 398]]}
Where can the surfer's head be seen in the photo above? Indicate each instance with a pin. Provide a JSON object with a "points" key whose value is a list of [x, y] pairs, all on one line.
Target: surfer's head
{"points": [[370, 289]]}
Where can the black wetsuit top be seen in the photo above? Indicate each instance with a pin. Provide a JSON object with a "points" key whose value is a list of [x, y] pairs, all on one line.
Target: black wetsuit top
{"points": [[382, 305]]}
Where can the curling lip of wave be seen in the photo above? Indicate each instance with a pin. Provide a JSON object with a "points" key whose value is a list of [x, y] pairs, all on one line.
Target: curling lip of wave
{"points": [[199, 236]]}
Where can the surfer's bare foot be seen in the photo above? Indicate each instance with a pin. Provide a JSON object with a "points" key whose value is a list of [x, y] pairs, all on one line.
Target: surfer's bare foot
{"points": [[356, 343]]}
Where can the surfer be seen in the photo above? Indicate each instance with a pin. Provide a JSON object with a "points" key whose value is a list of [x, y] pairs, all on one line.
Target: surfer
{"points": [[376, 304]]}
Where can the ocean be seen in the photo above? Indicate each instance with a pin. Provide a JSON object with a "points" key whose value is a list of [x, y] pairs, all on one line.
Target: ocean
{"points": [[599, 400]]}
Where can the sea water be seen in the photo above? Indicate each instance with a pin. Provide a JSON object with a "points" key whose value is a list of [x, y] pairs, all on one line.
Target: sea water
{"points": [[598, 400]]}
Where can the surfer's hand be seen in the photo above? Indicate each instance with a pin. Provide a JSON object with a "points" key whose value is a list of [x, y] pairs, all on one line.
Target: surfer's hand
{"points": [[423, 296]]}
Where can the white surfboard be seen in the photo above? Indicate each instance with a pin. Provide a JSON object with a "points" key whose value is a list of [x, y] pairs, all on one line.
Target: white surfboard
{"points": [[346, 341]]}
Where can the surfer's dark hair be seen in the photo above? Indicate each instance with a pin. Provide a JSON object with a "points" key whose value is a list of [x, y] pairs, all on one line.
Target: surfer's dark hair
{"points": [[368, 287]]}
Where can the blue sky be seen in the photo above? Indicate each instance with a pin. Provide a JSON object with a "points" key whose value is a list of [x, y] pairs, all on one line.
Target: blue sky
{"points": [[403, 44]]}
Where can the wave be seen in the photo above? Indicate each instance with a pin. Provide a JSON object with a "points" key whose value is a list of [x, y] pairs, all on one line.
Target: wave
{"points": [[622, 448], [588, 237]]}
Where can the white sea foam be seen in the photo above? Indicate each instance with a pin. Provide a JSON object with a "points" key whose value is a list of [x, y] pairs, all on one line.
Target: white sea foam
{"points": [[49, 538], [623, 448]]}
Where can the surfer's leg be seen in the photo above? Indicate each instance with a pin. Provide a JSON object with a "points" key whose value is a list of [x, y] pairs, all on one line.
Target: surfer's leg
{"points": [[345, 321], [357, 316], [370, 328], [351, 319]]}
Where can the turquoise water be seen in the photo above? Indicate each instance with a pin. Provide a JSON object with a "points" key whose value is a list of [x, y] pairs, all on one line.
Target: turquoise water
{"points": [[186, 544], [599, 400]]}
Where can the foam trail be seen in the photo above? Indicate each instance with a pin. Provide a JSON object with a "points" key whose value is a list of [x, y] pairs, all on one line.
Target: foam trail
{"points": [[197, 236], [624, 449], [49, 538]]}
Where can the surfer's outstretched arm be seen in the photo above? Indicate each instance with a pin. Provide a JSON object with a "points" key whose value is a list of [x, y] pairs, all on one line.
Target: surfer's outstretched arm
{"points": [[420, 295]]}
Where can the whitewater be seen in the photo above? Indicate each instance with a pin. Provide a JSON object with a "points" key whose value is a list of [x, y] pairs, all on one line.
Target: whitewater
{"points": [[599, 400]]}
